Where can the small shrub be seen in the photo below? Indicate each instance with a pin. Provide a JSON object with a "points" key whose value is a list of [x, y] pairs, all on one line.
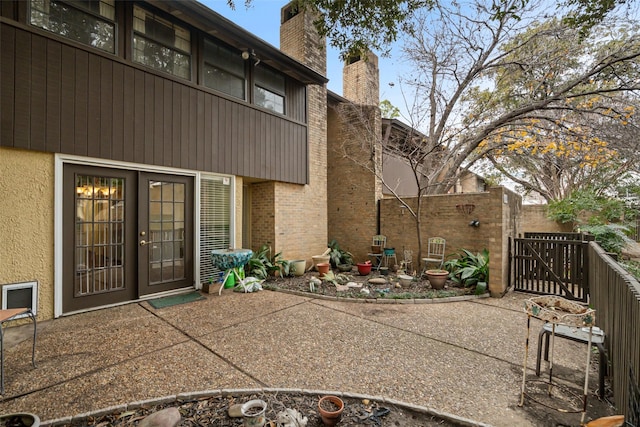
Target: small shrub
{"points": [[469, 269]]}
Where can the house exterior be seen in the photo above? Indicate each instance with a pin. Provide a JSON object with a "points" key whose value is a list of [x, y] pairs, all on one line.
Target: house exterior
{"points": [[138, 136]]}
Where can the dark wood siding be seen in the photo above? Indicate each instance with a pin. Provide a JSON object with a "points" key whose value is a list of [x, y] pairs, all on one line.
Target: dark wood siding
{"points": [[60, 98]]}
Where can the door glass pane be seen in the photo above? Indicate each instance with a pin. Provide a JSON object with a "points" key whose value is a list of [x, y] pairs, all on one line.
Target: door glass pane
{"points": [[166, 227], [99, 235]]}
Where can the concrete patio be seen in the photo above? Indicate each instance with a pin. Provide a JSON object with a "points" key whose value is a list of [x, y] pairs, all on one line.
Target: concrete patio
{"points": [[464, 358]]}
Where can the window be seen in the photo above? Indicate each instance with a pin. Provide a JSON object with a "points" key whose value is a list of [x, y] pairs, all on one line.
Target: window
{"points": [[91, 22], [269, 89], [224, 69], [215, 222], [160, 44]]}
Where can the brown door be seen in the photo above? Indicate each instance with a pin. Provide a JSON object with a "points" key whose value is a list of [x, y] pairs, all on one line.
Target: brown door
{"points": [[165, 229], [111, 218]]}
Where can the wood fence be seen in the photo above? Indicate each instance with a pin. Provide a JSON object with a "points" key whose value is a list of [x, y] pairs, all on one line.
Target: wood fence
{"points": [[551, 263], [615, 295]]}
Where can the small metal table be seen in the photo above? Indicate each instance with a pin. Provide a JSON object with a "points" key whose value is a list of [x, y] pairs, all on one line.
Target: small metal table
{"points": [[7, 316], [230, 260], [559, 312]]}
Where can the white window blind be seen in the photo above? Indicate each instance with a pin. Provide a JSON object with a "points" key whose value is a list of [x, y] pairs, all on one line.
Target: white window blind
{"points": [[215, 222]]}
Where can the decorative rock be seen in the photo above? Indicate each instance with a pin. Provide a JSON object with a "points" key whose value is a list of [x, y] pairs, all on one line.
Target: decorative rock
{"points": [[378, 281], [364, 291], [291, 418], [354, 285], [398, 285], [169, 417], [235, 411], [341, 288]]}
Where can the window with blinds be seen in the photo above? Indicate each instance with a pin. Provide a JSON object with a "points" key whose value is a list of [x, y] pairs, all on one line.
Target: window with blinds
{"points": [[215, 222]]}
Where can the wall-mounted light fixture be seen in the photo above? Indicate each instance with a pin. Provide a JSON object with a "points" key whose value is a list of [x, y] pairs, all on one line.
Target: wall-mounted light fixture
{"points": [[474, 223], [246, 55]]}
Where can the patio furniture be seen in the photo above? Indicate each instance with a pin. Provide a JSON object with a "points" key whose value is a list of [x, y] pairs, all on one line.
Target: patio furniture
{"points": [[579, 335], [435, 251], [387, 255], [381, 241], [230, 260], [7, 316], [561, 314], [407, 261]]}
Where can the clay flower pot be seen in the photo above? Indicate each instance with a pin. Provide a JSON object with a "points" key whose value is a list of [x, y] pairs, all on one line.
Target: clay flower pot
{"points": [[323, 268], [437, 278], [327, 409], [364, 268]]}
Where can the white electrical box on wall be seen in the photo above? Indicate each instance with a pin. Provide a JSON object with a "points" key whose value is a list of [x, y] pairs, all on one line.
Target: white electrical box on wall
{"points": [[20, 295]]}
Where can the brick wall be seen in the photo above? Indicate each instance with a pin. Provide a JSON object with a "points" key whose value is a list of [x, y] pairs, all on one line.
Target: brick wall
{"points": [[353, 187], [497, 211], [300, 211], [534, 218]]}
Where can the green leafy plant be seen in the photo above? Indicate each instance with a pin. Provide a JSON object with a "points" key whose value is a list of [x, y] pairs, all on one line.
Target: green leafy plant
{"points": [[469, 269], [262, 263], [339, 256], [339, 279], [611, 237]]}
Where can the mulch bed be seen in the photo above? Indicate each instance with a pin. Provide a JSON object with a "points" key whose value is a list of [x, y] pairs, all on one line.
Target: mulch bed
{"points": [[212, 411], [420, 288]]}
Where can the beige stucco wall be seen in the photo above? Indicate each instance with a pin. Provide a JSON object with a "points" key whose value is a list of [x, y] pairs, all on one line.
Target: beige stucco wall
{"points": [[26, 222]]}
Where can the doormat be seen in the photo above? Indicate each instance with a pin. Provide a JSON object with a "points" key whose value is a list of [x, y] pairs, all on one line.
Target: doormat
{"points": [[175, 300]]}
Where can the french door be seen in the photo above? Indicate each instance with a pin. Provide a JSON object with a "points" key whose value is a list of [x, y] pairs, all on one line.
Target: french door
{"points": [[126, 234]]}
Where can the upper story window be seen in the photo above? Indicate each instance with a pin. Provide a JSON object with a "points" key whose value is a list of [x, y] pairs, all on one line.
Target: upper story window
{"points": [[269, 89], [161, 44], [91, 22], [224, 70]]}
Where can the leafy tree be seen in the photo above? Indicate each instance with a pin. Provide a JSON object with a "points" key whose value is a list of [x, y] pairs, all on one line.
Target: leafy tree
{"points": [[357, 26], [388, 110], [484, 77], [607, 218]]}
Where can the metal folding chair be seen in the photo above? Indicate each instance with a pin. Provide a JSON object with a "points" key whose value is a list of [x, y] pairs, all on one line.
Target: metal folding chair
{"points": [[435, 251]]}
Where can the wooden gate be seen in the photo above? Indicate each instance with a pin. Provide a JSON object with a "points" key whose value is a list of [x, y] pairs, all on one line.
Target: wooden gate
{"points": [[551, 263]]}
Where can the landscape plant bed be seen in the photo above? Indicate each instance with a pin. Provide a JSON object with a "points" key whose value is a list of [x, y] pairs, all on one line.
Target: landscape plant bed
{"points": [[213, 411], [417, 289]]}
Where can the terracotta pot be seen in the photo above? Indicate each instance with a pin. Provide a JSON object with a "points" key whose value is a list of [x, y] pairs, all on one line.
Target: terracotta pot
{"points": [[437, 278], [317, 259], [364, 268], [323, 268], [330, 418]]}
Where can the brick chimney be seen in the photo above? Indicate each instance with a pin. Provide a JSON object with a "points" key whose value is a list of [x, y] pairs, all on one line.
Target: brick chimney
{"points": [[361, 80]]}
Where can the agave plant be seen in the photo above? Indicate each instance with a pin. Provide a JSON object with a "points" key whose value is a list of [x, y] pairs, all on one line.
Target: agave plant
{"points": [[469, 269]]}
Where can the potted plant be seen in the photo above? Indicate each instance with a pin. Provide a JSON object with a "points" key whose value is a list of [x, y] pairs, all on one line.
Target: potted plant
{"points": [[437, 278], [364, 268], [262, 264], [339, 258], [330, 409]]}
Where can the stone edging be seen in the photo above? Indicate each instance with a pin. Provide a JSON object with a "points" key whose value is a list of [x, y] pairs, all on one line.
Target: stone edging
{"points": [[182, 397], [382, 300]]}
